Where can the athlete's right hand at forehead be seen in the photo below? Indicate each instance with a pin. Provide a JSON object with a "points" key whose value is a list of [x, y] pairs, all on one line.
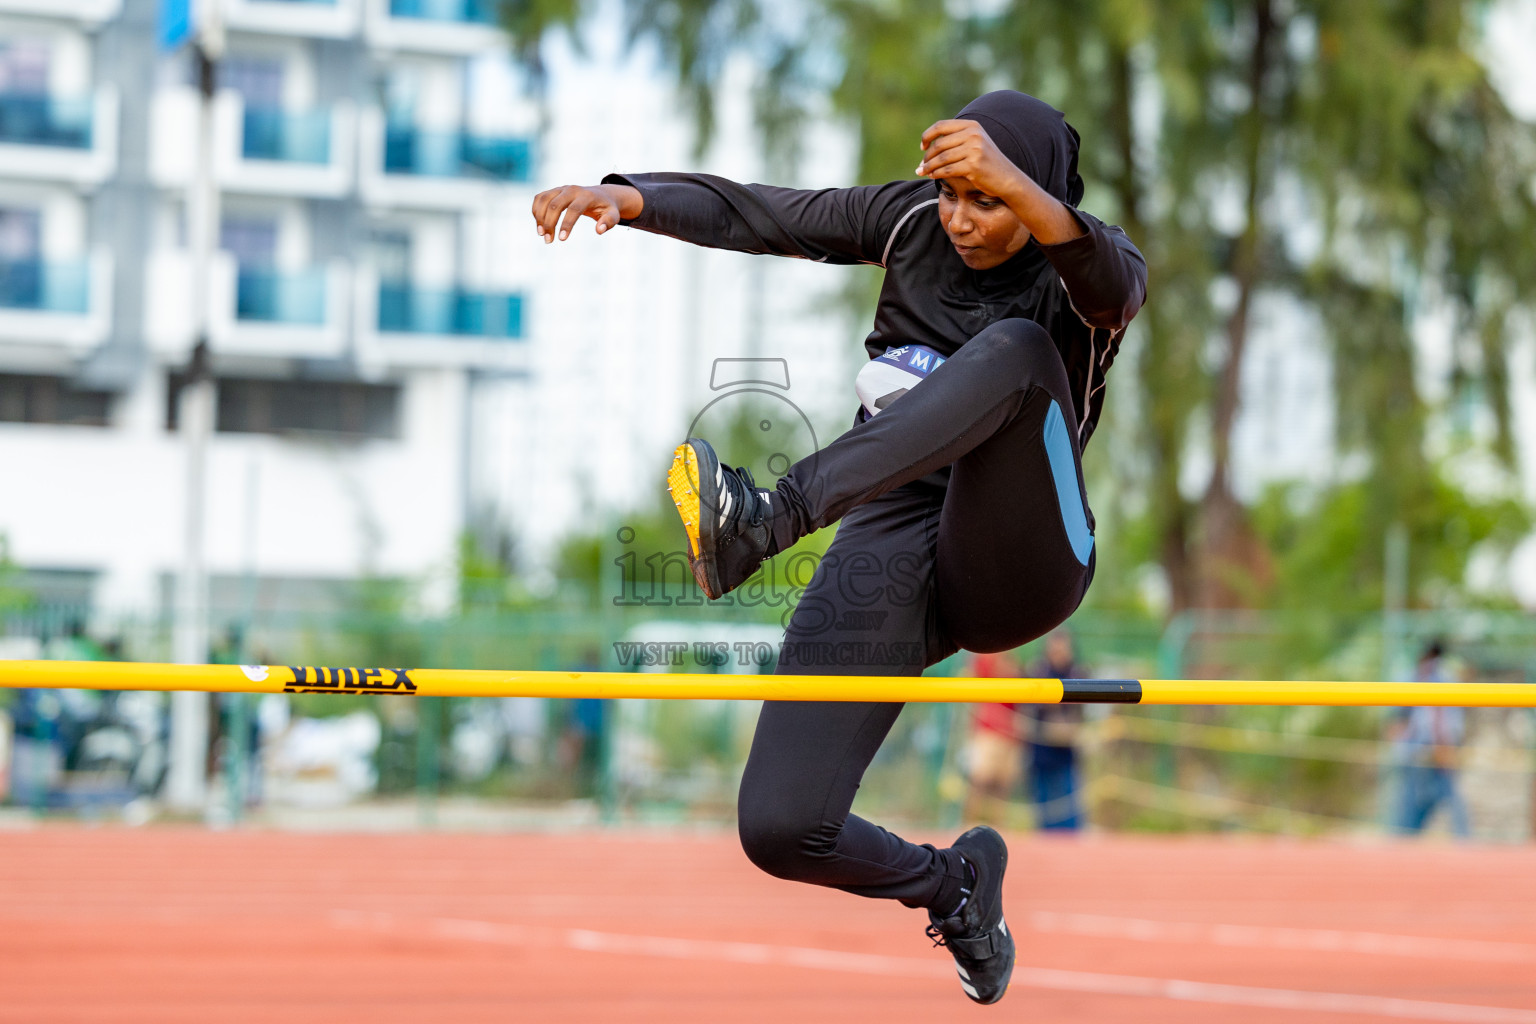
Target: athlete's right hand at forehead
{"points": [[558, 209]]}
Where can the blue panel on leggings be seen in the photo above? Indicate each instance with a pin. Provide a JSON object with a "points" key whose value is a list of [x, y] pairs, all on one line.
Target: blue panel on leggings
{"points": [[1058, 448]]}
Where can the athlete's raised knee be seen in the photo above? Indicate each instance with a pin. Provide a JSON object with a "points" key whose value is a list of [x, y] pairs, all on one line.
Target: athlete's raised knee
{"points": [[789, 846], [993, 631], [1016, 329], [1021, 343]]}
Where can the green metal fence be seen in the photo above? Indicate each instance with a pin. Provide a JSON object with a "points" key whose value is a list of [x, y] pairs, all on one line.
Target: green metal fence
{"points": [[1267, 769]]}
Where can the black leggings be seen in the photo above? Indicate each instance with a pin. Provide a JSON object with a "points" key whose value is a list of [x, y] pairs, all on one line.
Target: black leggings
{"points": [[964, 524]]}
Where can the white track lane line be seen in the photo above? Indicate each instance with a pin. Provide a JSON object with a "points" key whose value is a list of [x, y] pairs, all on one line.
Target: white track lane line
{"points": [[1087, 982], [1264, 937]]}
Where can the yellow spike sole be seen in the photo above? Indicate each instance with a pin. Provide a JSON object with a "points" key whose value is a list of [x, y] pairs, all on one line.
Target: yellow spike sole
{"points": [[683, 483]]}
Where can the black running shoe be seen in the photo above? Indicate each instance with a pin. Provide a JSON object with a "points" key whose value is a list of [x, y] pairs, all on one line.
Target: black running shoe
{"points": [[977, 936], [725, 515]]}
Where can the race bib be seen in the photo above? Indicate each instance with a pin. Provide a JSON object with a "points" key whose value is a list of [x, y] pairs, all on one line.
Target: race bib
{"points": [[886, 378]]}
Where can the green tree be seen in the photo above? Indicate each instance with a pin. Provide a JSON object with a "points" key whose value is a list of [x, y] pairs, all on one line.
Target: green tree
{"points": [[1380, 124], [14, 594]]}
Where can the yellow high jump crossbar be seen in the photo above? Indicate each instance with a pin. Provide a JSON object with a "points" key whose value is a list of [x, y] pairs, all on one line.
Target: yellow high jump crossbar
{"points": [[427, 682]]}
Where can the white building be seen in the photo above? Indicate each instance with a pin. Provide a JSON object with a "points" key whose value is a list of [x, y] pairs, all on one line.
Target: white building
{"points": [[353, 299]]}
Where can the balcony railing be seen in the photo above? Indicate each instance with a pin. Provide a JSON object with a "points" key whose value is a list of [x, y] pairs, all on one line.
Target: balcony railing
{"points": [[28, 119], [38, 286], [478, 12], [281, 135], [89, 11], [272, 296], [322, 19], [456, 154], [451, 311]]}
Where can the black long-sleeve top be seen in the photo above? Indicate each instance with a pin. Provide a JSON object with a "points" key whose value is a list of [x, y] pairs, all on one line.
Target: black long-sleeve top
{"points": [[1083, 292]]}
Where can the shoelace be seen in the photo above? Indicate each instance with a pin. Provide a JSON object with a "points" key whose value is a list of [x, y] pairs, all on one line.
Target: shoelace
{"points": [[932, 931], [744, 493]]}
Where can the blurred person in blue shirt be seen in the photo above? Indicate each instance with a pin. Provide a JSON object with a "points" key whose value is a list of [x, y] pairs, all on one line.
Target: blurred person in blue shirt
{"points": [[1426, 744], [1051, 734], [586, 731]]}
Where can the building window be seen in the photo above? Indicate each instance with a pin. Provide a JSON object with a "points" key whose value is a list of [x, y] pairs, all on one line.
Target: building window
{"points": [[391, 251], [258, 80], [252, 241], [328, 408], [21, 269], [27, 399], [24, 66], [20, 234]]}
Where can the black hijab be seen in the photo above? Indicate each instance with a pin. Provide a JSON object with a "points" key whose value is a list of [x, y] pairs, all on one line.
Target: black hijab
{"points": [[1035, 136]]}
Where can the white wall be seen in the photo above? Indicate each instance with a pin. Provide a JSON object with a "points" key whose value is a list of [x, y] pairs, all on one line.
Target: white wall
{"points": [[437, 84], [321, 509], [434, 249]]}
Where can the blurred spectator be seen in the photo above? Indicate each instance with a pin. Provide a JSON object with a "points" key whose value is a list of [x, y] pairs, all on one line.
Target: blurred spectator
{"points": [[234, 734], [993, 749], [74, 645], [586, 732], [325, 762], [37, 754], [7, 735], [51, 726], [1427, 745], [1051, 732]]}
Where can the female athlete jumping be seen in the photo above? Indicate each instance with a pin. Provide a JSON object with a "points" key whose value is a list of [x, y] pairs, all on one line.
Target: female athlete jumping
{"points": [[964, 522]]}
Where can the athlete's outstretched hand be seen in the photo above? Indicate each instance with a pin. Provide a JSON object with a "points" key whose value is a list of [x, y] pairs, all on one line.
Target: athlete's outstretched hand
{"points": [[560, 208], [963, 149]]}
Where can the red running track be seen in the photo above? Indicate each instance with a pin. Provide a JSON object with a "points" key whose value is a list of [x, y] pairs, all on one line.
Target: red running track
{"points": [[169, 926]]}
